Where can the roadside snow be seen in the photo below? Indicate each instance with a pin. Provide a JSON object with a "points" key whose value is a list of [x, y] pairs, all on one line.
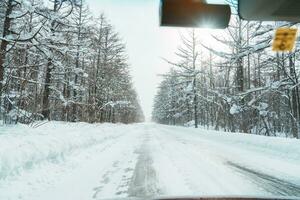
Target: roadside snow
{"points": [[23, 148]]}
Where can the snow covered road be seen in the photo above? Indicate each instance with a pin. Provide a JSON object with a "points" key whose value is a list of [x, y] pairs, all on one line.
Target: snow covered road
{"points": [[81, 161]]}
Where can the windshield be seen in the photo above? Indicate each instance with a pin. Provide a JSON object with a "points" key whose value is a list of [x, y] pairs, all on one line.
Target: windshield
{"points": [[97, 101]]}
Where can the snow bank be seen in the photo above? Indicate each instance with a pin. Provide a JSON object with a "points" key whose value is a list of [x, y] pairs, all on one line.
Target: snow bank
{"points": [[23, 147], [280, 147], [288, 148]]}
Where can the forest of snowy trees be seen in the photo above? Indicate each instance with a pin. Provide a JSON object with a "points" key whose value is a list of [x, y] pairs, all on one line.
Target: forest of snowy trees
{"points": [[240, 86], [57, 62]]}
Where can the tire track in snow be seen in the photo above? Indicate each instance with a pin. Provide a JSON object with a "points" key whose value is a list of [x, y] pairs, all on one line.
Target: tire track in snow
{"points": [[165, 148], [264, 182], [204, 172], [173, 157], [271, 184], [117, 177], [144, 180]]}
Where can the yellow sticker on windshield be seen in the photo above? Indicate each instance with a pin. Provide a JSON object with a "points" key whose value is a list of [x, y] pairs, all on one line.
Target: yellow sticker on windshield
{"points": [[285, 39]]}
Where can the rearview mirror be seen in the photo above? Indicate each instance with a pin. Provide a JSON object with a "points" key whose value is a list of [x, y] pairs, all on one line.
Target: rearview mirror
{"points": [[269, 10], [194, 13]]}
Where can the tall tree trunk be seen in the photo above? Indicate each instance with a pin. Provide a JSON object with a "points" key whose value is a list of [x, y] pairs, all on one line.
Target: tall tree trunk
{"points": [[4, 43], [195, 104], [195, 82], [49, 68], [248, 60], [46, 94], [240, 77], [294, 96], [77, 63]]}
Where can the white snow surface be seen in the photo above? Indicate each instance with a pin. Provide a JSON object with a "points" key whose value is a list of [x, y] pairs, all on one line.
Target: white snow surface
{"points": [[80, 161]]}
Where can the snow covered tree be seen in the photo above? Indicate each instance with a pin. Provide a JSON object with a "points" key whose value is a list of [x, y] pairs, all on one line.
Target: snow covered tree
{"points": [[242, 86], [187, 68], [58, 64]]}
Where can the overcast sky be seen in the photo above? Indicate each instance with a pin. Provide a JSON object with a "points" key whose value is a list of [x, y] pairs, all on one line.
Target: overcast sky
{"points": [[146, 42]]}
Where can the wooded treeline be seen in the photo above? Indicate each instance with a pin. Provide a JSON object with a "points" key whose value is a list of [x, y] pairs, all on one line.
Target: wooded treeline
{"points": [[57, 62], [238, 86]]}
